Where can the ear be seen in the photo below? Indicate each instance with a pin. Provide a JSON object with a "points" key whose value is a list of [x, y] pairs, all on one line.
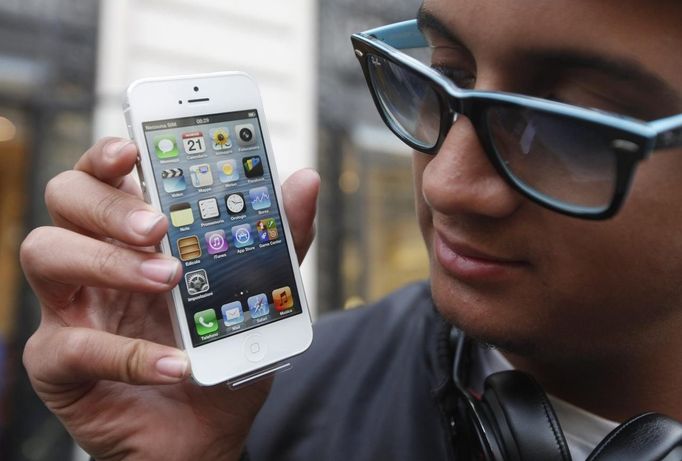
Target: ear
{"points": [[650, 437]]}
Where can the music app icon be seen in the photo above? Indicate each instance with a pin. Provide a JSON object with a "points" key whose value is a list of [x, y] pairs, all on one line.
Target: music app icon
{"points": [[282, 298], [216, 242]]}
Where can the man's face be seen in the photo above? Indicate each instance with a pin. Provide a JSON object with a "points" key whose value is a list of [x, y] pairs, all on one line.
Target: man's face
{"points": [[558, 286]]}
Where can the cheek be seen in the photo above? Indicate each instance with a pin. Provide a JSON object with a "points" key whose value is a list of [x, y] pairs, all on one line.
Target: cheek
{"points": [[419, 165]]}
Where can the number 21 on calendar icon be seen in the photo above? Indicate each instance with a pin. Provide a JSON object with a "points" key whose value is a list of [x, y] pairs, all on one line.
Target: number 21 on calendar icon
{"points": [[194, 142]]}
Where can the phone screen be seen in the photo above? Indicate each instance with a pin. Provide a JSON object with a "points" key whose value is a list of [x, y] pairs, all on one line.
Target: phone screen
{"points": [[215, 186]]}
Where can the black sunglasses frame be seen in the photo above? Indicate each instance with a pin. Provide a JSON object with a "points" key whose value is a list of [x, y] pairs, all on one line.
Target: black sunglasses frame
{"points": [[629, 148]]}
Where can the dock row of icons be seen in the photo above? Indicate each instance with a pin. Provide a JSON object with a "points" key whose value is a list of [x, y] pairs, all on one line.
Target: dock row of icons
{"points": [[206, 321], [194, 142], [201, 175], [189, 248], [181, 214]]}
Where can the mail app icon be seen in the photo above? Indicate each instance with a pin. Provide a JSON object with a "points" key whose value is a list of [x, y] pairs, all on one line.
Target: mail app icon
{"points": [[233, 313]]}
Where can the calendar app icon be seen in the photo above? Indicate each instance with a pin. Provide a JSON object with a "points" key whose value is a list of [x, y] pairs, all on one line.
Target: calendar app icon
{"points": [[194, 142]]}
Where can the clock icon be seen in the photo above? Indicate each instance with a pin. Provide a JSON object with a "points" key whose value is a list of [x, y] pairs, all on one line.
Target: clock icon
{"points": [[235, 203]]}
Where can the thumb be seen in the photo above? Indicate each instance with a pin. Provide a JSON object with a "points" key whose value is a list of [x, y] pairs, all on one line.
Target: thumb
{"points": [[300, 193], [72, 356]]}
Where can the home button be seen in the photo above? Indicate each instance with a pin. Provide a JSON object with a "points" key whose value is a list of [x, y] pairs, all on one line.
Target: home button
{"points": [[255, 348]]}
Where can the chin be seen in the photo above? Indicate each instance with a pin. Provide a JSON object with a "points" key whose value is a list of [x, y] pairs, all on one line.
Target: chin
{"points": [[487, 316]]}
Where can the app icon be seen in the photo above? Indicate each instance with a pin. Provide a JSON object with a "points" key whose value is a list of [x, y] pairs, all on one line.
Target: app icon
{"points": [[197, 282], [221, 139], [165, 146], [205, 322], [235, 203], [216, 242], [227, 171], [201, 175], [242, 235], [282, 298], [188, 248], [260, 198], [173, 180], [258, 305], [181, 214], [267, 230], [208, 208], [233, 313], [245, 134], [194, 142], [253, 167]]}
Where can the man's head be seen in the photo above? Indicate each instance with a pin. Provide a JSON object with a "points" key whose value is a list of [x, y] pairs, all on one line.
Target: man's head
{"points": [[559, 286]]}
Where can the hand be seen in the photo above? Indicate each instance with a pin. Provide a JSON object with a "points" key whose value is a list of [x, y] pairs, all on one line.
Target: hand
{"points": [[103, 358]]}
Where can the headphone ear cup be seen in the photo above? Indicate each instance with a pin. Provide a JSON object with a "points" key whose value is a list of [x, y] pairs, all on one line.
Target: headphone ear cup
{"points": [[650, 437], [523, 418]]}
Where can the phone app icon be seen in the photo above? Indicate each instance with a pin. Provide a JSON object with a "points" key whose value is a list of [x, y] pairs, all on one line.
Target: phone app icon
{"points": [[189, 248], [165, 146], [233, 314], [245, 134], [194, 142], [258, 305], [205, 322], [267, 230], [227, 171], [208, 208], [181, 214], [282, 298], [173, 180], [221, 139], [201, 175], [216, 242], [242, 236], [197, 282], [235, 203], [253, 167], [260, 198]]}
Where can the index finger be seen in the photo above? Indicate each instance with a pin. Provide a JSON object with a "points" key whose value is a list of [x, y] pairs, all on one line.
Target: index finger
{"points": [[109, 160]]}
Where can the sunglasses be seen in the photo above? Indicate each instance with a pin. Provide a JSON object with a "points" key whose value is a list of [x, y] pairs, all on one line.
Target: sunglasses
{"points": [[569, 159]]}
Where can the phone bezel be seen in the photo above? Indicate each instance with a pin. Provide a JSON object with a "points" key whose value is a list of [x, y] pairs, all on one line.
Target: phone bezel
{"points": [[158, 99]]}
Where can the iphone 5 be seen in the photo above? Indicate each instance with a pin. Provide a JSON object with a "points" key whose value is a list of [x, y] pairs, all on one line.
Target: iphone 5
{"points": [[207, 163]]}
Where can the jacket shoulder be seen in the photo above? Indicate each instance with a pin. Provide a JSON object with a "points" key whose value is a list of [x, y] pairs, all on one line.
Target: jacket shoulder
{"points": [[363, 390]]}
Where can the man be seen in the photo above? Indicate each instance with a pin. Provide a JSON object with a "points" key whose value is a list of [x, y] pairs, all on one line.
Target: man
{"points": [[589, 307]]}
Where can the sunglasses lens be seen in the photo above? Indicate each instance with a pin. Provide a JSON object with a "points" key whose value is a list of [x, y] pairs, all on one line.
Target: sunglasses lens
{"points": [[410, 104], [559, 159]]}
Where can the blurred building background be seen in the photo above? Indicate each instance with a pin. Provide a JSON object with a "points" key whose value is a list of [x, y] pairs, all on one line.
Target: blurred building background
{"points": [[64, 65]]}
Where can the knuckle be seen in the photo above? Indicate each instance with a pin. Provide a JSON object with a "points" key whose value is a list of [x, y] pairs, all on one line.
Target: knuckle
{"points": [[71, 347], [55, 185], [133, 365], [31, 249], [106, 259], [31, 351], [108, 208]]}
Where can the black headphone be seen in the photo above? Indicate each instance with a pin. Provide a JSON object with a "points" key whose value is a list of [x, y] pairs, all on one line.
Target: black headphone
{"points": [[514, 421]]}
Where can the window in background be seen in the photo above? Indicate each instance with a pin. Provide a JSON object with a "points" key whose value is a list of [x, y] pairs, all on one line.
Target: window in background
{"points": [[368, 239], [47, 57]]}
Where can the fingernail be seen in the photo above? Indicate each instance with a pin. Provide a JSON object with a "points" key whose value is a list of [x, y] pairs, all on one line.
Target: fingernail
{"points": [[112, 149], [160, 270], [143, 221], [172, 366]]}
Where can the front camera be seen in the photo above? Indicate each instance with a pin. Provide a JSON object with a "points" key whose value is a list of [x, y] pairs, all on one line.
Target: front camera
{"points": [[196, 88], [180, 102]]}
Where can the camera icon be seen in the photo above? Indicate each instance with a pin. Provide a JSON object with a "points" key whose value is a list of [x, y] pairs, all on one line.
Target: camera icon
{"points": [[245, 134]]}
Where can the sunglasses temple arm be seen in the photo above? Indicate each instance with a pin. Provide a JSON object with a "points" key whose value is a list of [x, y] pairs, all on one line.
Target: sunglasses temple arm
{"points": [[669, 132], [401, 35]]}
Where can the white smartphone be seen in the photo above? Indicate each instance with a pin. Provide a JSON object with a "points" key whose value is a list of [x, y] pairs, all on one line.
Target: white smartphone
{"points": [[206, 162]]}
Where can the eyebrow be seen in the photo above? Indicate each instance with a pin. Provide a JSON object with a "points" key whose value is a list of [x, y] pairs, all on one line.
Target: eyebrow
{"points": [[624, 70]]}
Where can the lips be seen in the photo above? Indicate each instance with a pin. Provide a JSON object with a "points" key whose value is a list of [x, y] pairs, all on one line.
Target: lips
{"points": [[468, 263]]}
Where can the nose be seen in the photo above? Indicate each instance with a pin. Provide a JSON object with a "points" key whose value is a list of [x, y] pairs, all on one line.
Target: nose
{"points": [[461, 180]]}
